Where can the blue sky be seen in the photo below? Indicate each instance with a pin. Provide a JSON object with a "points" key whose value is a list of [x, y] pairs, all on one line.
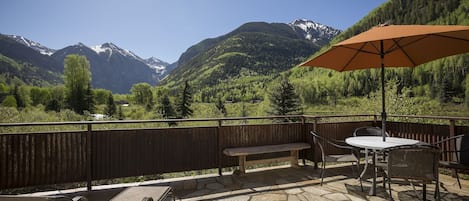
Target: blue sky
{"points": [[163, 29]]}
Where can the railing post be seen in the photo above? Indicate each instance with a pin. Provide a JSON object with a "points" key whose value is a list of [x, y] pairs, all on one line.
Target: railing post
{"points": [[89, 157], [219, 148], [452, 128], [315, 128], [303, 130], [452, 133]]}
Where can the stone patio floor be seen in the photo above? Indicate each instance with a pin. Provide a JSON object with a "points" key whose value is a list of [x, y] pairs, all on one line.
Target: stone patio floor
{"points": [[281, 183]]}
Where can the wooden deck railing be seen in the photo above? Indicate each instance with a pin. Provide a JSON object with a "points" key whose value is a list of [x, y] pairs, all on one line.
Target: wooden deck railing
{"points": [[40, 158]]}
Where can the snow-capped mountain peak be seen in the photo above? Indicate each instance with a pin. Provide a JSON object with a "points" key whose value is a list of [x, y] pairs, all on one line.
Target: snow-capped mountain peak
{"points": [[313, 30], [32, 44], [157, 65], [110, 48]]}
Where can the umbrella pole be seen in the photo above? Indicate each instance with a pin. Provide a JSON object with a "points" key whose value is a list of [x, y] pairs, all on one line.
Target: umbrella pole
{"points": [[383, 99]]}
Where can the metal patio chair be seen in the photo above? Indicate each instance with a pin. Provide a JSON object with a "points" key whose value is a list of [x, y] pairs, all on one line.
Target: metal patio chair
{"points": [[461, 154], [336, 158], [413, 163]]}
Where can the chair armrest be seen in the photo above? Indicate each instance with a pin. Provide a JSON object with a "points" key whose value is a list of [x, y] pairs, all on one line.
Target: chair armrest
{"points": [[448, 139]]}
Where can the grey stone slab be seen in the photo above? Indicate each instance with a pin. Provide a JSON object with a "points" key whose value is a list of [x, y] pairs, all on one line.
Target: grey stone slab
{"points": [[306, 196], [197, 193], [214, 186], [237, 198], [294, 191], [269, 197], [293, 198], [336, 197], [316, 190]]}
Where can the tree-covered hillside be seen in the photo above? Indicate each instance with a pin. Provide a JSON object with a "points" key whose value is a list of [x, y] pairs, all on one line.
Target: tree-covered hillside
{"points": [[237, 65], [443, 80]]}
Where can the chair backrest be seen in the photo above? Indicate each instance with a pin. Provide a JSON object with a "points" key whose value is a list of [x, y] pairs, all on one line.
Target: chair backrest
{"points": [[462, 149], [368, 131], [317, 140], [418, 162], [333, 146]]}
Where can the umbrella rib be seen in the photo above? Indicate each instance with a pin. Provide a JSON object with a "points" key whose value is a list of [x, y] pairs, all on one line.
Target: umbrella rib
{"points": [[360, 49], [376, 48], [354, 55], [451, 37], [396, 43]]}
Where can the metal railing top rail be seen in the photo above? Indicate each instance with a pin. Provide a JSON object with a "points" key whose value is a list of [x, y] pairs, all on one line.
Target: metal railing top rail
{"points": [[222, 119], [335, 116], [430, 117], [174, 120]]}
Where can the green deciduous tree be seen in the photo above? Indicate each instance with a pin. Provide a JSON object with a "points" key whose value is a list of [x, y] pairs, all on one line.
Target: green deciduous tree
{"points": [[77, 77], [21, 94], [39, 95], [101, 96], [142, 94], [283, 99], [184, 101], [9, 101]]}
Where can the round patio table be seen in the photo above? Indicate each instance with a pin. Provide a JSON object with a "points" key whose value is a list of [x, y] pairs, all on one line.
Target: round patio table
{"points": [[374, 144]]}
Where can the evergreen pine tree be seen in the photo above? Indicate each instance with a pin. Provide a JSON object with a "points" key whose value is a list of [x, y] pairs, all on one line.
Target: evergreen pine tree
{"points": [[166, 110], [221, 107], [89, 100], [284, 100], [184, 101], [466, 97], [53, 105], [120, 114], [110, 106]]}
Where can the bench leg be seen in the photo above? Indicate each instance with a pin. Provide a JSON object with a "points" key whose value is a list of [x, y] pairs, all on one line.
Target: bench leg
{"points": [[242, 164], [294, 158]]}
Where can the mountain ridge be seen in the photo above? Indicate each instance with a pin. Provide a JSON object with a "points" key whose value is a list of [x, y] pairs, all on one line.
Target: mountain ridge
{"points": [[48, 63], [254, 49]]}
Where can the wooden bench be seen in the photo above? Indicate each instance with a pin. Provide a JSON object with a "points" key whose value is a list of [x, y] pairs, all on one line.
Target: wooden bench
{"points": [[242, 152]]}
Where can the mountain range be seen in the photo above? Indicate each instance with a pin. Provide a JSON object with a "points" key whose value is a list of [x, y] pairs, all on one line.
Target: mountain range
{"points": [[112, 67], [257, 47]]}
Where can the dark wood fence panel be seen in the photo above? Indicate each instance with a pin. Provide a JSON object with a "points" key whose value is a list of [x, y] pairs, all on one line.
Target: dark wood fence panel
{"points": [[123, 153], [42, 158], [255, 135], [63, 157], [429, 133], [462, 130]]}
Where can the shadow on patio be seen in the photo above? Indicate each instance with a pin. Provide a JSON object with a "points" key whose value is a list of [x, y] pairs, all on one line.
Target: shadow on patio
{"points": [[283, 183]]}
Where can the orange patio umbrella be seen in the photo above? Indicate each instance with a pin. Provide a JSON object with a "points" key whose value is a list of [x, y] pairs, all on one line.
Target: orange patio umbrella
{"points": [[394, 46]]}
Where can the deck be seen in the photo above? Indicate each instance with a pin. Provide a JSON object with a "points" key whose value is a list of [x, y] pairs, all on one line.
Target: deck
{"points": [[280, 183]]}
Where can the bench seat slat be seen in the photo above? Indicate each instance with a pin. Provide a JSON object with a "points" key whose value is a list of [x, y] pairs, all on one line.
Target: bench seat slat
{"points": [[240, 151]]}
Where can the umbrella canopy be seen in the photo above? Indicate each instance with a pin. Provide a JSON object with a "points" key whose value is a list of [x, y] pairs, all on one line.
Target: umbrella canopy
{"points": [[394, 46]]}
